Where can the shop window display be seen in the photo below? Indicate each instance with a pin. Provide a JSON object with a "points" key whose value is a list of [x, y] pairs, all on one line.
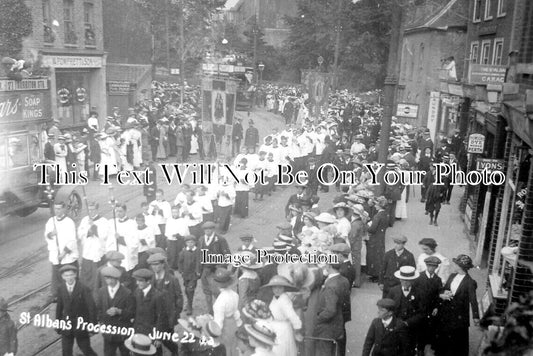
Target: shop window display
{"points": [[73, 98]]}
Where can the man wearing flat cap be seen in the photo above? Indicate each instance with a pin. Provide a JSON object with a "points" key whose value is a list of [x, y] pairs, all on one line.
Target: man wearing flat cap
{"points": [[74, 300], [429, 286], [150, 311], [113, 259], [395, 258], [215, 245], [387, 334], [169, 286], [115, 305]]}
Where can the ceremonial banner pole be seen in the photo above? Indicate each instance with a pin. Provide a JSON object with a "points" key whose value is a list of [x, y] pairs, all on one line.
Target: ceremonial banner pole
{"points": [[113, 203]]}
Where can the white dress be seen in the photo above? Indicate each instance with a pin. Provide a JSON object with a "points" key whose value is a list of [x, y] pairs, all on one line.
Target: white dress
{"points": [[107, 156], [285, 321], [401, 206]]}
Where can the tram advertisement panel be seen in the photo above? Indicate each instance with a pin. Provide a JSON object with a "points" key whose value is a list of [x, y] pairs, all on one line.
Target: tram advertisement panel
{"points": [[19, 107]]}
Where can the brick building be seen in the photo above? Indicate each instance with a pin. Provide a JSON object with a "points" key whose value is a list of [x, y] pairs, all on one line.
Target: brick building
{"points": [[68, 39], [432, 33]]}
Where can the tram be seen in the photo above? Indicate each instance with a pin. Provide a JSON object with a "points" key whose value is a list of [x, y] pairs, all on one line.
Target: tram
{"points": [[24, 115]]}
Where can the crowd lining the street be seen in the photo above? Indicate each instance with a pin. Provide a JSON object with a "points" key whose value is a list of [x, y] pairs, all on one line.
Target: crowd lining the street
{"points": [[141, 269]]}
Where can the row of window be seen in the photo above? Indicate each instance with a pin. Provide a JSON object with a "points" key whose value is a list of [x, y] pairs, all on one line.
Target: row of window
{"points": [[485, 7], [490, 52], [69, 28]]}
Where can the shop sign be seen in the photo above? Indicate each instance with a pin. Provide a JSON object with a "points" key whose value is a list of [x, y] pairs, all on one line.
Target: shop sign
{"points": [[455, 89], [433, 112], [174, 71], [489, 164], [19, 107], [117, 87], [476, 143], [407, 110], [72, 62], [24, 84], [483, 74]]}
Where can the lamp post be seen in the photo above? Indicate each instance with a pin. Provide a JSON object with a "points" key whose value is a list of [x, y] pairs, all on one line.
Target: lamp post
{"points": [[261, 67]]}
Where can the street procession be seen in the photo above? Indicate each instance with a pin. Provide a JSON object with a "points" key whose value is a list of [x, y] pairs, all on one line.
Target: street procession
{"points": [[268, 177]]}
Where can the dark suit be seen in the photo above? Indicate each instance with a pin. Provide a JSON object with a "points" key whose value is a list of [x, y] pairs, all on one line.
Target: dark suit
{"points": [[408, 309], [219, 245], [391, 263], [348, 271], [124, 301], [170, 287], [251, 138], [71, 306], [454, 318], [100, 280], [149, 311], [189, 267], [429, 289], [389, 341], [330, 310], [236, 136]]}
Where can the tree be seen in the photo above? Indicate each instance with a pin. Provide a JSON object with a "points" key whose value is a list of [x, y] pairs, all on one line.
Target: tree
{"points": [[15, 24], [364, 30]]}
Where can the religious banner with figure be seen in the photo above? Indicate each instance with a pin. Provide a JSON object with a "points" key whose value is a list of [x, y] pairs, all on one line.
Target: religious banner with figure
{"points": [[218, 109], [317, 84]]}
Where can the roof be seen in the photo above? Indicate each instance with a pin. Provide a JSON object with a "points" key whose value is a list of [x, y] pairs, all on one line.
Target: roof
{"points": [[231, 5], [449, 14], [132, 73]]}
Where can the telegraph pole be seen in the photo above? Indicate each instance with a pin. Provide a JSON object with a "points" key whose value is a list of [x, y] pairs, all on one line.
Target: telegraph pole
{"points": [[338, 29], [390, 84], [182, 50]]}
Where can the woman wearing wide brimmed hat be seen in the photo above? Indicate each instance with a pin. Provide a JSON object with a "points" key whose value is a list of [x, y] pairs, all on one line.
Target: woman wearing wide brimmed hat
{"points": [[249, 281], [308, 219], [262, 339], [226, 310], [286, 323], [454, 315], [376, 240], [358, 238]]}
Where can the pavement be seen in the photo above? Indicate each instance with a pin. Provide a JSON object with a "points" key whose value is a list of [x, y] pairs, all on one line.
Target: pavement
{"points": [[23, 240]]}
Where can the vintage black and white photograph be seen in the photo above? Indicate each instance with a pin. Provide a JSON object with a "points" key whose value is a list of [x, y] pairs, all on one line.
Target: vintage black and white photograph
{"points": [[266, 177]]}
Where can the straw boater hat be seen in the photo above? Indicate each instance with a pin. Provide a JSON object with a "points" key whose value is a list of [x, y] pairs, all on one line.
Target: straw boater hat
{"points": [[253, 264], [140, 344], [261, 333], [280, 281], [325, 218], [407, 273]]}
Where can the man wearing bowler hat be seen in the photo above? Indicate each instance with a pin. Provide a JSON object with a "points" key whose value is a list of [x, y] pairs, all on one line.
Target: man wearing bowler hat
{"points": [[408, 303], [214, 245], [395, 258], [74, 300], [115, 306], [387, 334]]}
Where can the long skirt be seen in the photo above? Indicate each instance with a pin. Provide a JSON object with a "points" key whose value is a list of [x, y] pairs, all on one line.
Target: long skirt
{"points": [[401, 206], [375, 254], [285, 342], [228, 338], [241, 203]]}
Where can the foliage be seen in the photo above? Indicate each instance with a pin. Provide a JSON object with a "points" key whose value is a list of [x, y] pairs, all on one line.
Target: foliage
{"points": [[15, 24], [364, 39]]}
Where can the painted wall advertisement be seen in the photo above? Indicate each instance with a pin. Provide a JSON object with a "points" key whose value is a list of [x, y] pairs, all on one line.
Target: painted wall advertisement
{"points": [[476, 143], [20, 107], [433, 112]]}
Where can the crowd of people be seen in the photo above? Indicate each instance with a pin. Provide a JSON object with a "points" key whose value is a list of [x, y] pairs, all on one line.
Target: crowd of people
{"points": [[141, 270]]}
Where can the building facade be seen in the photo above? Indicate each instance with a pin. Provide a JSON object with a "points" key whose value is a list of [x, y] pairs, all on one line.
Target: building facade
{"points": [[432, 49], [67, 40]]}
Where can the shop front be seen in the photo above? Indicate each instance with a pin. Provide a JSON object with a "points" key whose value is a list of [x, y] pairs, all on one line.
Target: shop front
{"points": [[512, 238], [77, 87]]}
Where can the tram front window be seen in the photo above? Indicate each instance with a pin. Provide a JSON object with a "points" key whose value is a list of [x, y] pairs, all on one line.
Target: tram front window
{"points": [[3, 156], [18, 151]]}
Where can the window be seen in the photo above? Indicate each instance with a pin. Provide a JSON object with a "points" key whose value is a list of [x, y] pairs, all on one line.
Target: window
{"points": [[68, 20], [73, 97], [88, 15], [47, 23], [488, 9], [498, 52], [485, 52], [501, 8], [477, 11], [3, 155], [474, 49]]}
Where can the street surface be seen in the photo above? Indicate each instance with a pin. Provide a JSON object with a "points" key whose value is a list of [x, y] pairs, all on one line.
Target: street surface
{"points": [[24, 265]]}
